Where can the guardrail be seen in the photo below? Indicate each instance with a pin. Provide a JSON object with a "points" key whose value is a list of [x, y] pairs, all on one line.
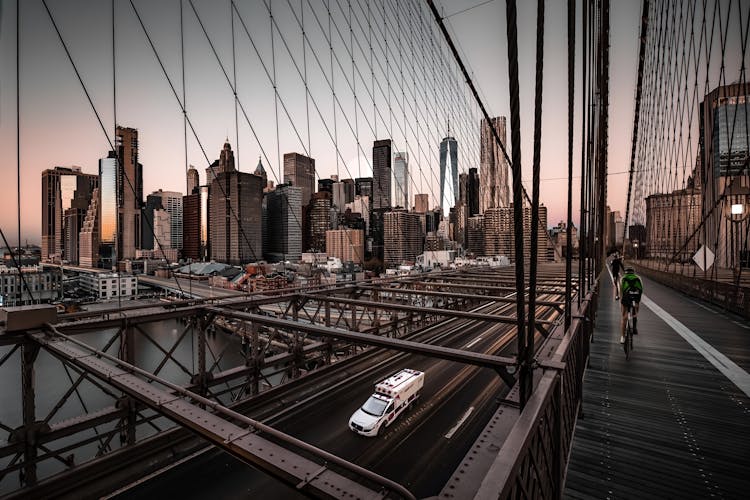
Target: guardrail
{"points": [[533, 460], [728, 296]]}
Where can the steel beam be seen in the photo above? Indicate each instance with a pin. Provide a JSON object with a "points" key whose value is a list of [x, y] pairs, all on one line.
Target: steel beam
{"points": [[469, 286], [244, 443], [29, 353], [452, 313], [471, 358], [468, 296]]}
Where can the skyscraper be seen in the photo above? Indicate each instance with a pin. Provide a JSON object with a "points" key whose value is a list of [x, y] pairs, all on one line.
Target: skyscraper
{"points": [[299, 170], [346, 244], [463, 188], [403, 238], [338, 190], [284, 208], [205, 216], [725, 177], [235, 200], [153, 203], [193, 180], [472, 192], [493, 169], [191, 225], [363, 186], [475, 235], [106, 220], [172, 203], [349, 190], [401, 176], [88, 237], [448, 174], [225, 163], [381, 174], [129, 192], [319, 221], [62, 187], [421, 203], [260, 171]]}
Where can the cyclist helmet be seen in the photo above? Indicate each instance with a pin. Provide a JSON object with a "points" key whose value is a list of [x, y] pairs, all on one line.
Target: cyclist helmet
{"points": [[629, 270]]}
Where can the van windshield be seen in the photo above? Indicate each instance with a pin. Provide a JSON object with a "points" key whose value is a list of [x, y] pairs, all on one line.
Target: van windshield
{"points": [[374, 406]]}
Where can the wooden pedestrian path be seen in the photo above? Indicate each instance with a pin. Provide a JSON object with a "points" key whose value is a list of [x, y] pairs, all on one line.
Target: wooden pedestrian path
{"points": [[668, 423]]}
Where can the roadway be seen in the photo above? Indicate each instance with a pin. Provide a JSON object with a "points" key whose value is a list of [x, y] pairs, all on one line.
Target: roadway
{"points": [[420, 450]]}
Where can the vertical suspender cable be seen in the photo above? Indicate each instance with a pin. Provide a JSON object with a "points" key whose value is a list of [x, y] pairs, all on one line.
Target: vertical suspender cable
{"points": [[184, 92], [17, 258], [184, 140], [18, 125], [279, 166], [582, 282], [304, 66], [636, 115], [603, 131], [120, 171], [333, 90], [354, 91], [524, 355], [234, 85], [534, 258], [571, 102]]}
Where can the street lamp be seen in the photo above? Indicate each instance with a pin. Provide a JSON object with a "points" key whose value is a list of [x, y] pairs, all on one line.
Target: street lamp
{"points": [[737, 216]]}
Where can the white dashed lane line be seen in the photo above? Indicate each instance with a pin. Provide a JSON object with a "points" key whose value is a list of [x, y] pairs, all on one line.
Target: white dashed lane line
{"points": [[459, 423], [472, 342]]}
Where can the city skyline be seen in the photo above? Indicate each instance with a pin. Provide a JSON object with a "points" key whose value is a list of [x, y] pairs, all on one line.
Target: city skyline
{"points": [[162, 153]]}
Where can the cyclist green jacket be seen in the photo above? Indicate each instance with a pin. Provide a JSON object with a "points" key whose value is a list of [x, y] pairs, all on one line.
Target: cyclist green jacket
{"points": [[631, 288]]}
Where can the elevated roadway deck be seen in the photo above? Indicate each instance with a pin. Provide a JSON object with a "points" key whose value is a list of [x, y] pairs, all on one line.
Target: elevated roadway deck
{"points": [[674, 421]]}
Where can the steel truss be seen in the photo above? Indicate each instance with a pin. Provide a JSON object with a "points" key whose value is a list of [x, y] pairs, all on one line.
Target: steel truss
{"points": [[291, 337]]}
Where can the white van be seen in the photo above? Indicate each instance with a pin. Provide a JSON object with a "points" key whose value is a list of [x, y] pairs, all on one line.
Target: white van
{"points": [[392, 396]]}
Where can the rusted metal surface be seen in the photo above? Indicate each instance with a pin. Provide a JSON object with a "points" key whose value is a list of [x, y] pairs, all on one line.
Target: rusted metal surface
{"points": [[243, 442]]}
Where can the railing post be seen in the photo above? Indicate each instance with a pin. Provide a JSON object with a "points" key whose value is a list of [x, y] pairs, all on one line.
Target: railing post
{"points": [[29, 353], [127, 354]]}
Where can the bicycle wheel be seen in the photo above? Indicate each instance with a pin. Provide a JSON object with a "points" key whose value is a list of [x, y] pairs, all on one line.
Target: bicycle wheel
{"points": [[628, 345], [630, 340]]}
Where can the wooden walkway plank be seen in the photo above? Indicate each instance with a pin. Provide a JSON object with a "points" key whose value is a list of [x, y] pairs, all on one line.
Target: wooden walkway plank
{"points": [[665, 424]]}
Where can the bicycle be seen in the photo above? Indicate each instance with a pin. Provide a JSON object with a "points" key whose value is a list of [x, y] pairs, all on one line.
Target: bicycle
{"points": [[628, 345]]}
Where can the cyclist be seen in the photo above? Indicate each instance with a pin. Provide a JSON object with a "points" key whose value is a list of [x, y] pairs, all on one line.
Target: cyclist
{"points": [[616, 266], [631, 289]]}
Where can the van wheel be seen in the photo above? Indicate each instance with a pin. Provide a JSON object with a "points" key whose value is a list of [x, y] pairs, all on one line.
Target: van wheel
{"points": [[380, 430]]}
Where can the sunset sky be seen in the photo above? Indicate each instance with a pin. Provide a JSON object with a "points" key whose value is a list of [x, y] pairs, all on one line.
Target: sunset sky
{"points": [[58, 126]]}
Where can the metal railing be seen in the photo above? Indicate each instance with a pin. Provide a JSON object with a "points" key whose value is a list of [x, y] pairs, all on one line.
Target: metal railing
{"points": [[533, 459], [728, 296]]}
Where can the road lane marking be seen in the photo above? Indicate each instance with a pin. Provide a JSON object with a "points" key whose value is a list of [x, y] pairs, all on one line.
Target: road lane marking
{"points": [[734, 373], [472, 342], [741, 325], [459, 423]]}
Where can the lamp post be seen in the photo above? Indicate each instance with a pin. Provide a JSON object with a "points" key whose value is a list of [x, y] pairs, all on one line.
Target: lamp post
{"points": [[738, 214]]}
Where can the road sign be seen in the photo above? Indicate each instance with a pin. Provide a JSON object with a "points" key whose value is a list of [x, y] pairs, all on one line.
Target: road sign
{"points": [[704, 257]]}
